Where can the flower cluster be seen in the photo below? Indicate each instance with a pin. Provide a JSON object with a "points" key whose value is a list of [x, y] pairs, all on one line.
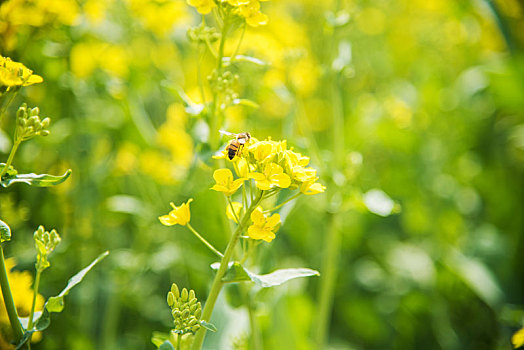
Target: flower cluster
{"points": [[272, 166], [29, 123], [247, 9], [13, 74], [185, 309], [45, 243]]}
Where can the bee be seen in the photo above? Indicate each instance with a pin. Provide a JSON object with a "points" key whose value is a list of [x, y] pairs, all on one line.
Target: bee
{"points": [[235, 146]]}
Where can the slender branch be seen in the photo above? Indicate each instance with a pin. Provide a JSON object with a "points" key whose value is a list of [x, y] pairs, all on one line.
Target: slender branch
{"points": [[217, 281], [203, 240], [35, 293], [10, 158], [283, 203], [18, 330], [233, 209]]}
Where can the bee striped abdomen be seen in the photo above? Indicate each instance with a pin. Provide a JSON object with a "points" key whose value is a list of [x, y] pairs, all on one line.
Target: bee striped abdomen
{"points": [[231, 153]]}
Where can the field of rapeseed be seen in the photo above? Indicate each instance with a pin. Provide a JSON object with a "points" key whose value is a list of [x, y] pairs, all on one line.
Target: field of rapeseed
{"points": [[253, 174]]}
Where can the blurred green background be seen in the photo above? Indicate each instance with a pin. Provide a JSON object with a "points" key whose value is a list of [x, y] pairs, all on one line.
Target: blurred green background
{"points": [[418, 101]]}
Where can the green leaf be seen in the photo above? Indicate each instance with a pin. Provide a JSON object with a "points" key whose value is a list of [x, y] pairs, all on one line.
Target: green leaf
{"points": [[166, 346], [159, 338], [209, 326], [237, 273], [5, 232], [56, 304], [38, 180]]}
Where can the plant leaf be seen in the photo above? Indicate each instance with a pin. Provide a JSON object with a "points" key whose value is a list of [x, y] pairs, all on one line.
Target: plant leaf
{"points": [[158, 338], [5, 232], [37, 180], [56, 304], [209, 326], [237, 273]]}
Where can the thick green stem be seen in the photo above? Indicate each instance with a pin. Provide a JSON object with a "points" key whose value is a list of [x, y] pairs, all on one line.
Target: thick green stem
{"points": [[327, 281], [10, 158], [179, 341], [217, 281], [35, 293], [18, 330], [203, 240]]}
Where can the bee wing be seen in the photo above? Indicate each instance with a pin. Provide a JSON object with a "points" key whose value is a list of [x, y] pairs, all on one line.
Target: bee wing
{"points": [[227, 133]]}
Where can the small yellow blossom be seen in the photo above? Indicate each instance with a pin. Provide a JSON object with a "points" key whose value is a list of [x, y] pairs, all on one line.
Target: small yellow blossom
{"points": [[518, 338], [225, 183], [302, 174], [203, 6], [263, 227], [236, 210], [272, 176], [262, 150], [16, 74], [251, 12], [311, 187], [242, 167], [178, 216]]}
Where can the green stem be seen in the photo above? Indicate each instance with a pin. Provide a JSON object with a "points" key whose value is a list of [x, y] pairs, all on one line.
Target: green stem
{"points": [[18, 330], [283, 203], [217, 281], [327, 281], [10, 158], [203, 240], [35, 293], [233, 209], [179, 341]]}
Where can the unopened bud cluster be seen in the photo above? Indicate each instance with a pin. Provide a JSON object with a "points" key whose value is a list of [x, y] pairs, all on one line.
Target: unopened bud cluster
{"points": [[186, 310], [202, 34], [45, 243], [29, 123], [224, 84]]}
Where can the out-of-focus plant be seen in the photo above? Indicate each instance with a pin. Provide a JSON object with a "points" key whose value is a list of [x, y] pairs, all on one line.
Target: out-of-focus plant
{"points": [[28, 124]]}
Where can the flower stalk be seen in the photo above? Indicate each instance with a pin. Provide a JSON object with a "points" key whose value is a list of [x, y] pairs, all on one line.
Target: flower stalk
{"points": [[217, 285], [18, 330]]}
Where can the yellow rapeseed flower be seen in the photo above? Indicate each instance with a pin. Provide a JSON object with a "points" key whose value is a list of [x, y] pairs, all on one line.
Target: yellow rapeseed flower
{"points": [[225, 183], [263, 149], [273, 175], [203, 6], [16, 74], [311, 187], [263, 227], [518, 338], [178, 216], [236, 210], [251, 13]]}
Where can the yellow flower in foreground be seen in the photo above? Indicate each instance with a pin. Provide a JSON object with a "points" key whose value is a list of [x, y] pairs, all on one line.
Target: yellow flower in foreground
{"points": [[225, 183], [237, 209], [203, 6], [178, 216], [310, 187], [518, 338], [16, 74], [272, 176], [262, 227]]}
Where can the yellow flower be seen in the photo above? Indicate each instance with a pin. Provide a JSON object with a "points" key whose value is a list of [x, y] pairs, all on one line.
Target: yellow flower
{"points": [[203, 6], [263, 227], [179, 215], [16, 74], [225, 183], [262, 150], [293, 159], [237, 209], [251, 12], [302, 174], [311, 187], [518, 338], [272, 176]]}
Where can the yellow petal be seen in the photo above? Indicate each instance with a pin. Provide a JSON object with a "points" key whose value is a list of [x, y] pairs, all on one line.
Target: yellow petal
{"points": [[273, 220], [258, 217], [33, 79], [230, 213], [256, 176], [263, 184], [223, 176], [167, 220], [281, 180]]}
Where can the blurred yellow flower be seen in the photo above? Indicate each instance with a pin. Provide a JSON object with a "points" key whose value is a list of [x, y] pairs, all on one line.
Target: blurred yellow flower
{"points": [[178, 216], [518, 338], [16, 74], [236, 210], [251, 12], [225, 183], [263, 227], [203, 6], [272, 176]]}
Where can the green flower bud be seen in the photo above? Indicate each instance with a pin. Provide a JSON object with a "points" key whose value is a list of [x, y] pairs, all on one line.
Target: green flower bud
{"points": [[44, 132], [35, 111], [170, 299], [175, 291], [184, 296], [45, 123], [192, 295]]}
